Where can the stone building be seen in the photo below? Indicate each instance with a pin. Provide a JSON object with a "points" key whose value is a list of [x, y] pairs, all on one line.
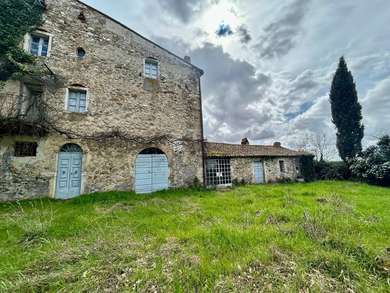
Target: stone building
{"points": [[127, 110], [115, 111], [255, 164]]}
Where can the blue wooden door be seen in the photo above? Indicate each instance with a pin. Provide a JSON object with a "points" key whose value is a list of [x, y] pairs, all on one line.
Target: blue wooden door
{"points": [[258, 172], [151, 173], [69, 175]]}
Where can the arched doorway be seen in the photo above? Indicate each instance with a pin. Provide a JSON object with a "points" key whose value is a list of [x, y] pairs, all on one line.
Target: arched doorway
{"points": [[69, 171], [151, 171]]}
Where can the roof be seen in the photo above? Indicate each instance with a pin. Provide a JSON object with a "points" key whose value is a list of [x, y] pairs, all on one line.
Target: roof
{"points": [[213, 149], [141, 36]]}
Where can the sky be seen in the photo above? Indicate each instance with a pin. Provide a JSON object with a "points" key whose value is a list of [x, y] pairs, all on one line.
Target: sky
{"points": [[269, 63]]}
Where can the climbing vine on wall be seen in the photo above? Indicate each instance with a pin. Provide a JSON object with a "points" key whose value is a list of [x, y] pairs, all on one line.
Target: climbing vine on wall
{"points": [[17, 17]]}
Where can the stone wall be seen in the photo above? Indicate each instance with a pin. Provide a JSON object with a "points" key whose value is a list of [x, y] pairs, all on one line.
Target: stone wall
{"points": [[106, 166], [242, 169], [112, 71], [272, 169], [119, 99], [9, 95]]}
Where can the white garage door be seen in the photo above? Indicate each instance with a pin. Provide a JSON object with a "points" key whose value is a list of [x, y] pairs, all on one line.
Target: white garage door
{"points": [[151, 171]]}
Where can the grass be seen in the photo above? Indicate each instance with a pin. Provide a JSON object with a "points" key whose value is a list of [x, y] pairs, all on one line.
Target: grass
{"points": [[317, 237]]}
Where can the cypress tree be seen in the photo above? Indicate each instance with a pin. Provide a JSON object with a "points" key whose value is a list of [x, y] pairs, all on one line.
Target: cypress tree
{"points": [[346, 113]]}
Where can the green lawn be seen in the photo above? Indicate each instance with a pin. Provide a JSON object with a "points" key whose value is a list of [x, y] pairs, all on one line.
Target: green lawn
{"points": [[318, 237]]}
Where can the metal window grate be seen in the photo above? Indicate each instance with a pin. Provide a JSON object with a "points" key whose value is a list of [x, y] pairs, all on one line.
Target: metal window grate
{"points": [[26, 149], [218, 172], [282, 166]]}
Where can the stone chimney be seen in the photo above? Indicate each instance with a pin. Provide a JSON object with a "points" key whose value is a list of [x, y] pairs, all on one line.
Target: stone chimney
{"points": [[187, 59], [277, 144], [244, 141]]}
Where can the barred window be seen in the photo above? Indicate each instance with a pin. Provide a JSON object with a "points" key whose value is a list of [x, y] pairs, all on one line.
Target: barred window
{"points": [[218, 172], [26, 149], [282, 166]]}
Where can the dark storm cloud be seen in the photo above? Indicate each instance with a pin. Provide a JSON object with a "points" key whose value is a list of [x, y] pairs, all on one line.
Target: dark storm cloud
{"points": [[224, 30], [279, 37], [183, 10], [244, 34]]}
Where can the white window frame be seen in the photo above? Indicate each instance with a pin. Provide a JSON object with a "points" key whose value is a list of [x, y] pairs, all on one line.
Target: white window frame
{"points": [[28, 41], [75, 88], [158, 68]]}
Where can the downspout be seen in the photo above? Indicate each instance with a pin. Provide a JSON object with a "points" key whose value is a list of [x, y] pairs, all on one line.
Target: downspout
{"points": [[202, 131]]}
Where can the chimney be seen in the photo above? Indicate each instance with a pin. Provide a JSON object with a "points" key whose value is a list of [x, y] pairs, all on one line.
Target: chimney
{"points": [[187, 59], [244, 141], [277, 144]]}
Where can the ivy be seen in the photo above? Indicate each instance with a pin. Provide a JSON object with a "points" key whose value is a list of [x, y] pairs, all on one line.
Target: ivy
{"points": [[17, 17]]}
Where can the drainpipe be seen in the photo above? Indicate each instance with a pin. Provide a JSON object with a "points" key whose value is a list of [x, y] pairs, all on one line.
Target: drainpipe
{"points": [[202, 132]]}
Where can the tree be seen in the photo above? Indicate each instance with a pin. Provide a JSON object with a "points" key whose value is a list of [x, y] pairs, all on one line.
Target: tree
{"points": [[373, 165], [17, 17], [318, 144], [346, 113]]}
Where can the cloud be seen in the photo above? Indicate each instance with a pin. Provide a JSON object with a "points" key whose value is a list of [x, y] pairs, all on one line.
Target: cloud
{"points": [[376, 112], [231, 90], [224, 30], [183, 10], [280, 36], [244, 34], [272, 83]]}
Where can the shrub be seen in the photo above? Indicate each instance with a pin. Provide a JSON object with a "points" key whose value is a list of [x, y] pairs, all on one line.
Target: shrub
{"points": [[331, 170], [237, 182], [373, 165], [307, 168]]}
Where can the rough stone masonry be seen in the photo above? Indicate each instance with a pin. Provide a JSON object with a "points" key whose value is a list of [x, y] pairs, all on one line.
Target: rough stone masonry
{"points": [[163, 113]]}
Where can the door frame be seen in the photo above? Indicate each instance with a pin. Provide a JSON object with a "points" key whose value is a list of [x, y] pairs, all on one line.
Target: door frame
{"points": [[254, 172], [82, 172], [135, 167]]}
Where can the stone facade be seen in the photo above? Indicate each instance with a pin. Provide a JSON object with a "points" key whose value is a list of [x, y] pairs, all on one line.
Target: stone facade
{"points": [[242, 169], [120, 99]]}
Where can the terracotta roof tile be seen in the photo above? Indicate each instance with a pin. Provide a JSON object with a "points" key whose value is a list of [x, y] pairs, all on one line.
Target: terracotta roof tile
{"points": [[236, 150]]}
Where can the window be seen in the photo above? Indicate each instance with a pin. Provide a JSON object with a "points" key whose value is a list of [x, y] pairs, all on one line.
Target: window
{"points": [[77, 100], [81, 53], [151, 68], [26, 149], [218, 172], [282, 166], [39, 45]]}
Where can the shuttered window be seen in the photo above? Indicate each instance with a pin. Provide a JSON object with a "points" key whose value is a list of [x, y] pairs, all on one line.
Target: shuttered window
{"points": [[39, 45], [151, 68], [77, 101]]}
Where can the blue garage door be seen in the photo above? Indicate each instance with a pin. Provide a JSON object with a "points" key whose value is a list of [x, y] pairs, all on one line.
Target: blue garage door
{"points": [[69, 172], [151, 171], [258, 171]]}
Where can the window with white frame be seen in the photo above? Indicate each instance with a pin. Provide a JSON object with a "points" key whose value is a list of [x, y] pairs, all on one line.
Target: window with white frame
{"points": [[77, 100], [151, 68], [39, 45]]}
